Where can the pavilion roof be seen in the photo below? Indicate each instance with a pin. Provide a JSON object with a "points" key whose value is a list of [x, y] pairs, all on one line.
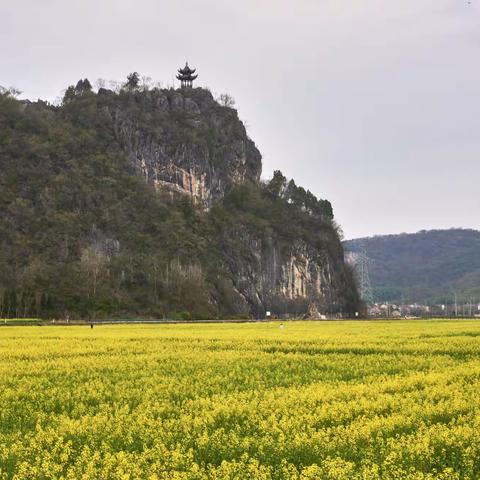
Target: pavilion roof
{"points": [[186, 70]]}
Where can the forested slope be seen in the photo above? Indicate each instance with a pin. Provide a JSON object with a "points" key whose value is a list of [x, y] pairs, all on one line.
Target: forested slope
{"points": [[428, 266]]}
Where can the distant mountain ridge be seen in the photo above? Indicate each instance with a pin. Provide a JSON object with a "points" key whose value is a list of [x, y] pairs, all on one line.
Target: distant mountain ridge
{"points": [[427, 266]]}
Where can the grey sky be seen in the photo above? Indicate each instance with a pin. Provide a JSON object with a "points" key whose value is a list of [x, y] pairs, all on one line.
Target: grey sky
{"points": [[373, 104]]}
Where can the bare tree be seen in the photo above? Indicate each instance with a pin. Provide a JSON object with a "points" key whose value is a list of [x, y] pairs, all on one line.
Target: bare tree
{"points": [[115, 86], [147, 83], [10, 92], [100, 83], [93, 263], [226, 100]]}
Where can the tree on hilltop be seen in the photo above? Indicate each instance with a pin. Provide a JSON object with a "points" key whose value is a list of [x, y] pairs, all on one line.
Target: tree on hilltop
{"points": [[133, 81], [226, 100], [83, 86]]}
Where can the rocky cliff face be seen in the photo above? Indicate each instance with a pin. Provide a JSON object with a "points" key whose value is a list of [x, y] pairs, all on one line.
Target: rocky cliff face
{"points": [[184, 141], [272, 275]]}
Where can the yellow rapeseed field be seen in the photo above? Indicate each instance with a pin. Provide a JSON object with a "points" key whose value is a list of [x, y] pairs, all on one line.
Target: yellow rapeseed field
{"points": [[319, 400]]}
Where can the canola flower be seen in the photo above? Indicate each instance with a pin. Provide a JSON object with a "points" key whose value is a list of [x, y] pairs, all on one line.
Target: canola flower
{"points": [[312, 400]]}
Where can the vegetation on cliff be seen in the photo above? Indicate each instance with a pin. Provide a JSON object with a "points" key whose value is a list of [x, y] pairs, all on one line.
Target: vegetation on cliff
{"points": [[83, 234]]}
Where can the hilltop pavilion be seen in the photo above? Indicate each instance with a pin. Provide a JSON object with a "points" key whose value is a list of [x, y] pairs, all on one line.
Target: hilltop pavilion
{"points": [[186, 75]]}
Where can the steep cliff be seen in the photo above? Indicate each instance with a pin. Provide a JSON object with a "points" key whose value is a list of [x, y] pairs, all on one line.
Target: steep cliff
{"points": [[183, 140], [283, 278], [150, 203]]}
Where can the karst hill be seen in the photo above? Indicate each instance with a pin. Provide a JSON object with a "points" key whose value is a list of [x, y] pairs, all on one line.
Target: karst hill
{"points": [[148, 202]]}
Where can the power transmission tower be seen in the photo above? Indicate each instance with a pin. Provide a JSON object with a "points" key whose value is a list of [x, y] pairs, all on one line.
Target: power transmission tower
{"points": [[365, 284], [360, 261]]}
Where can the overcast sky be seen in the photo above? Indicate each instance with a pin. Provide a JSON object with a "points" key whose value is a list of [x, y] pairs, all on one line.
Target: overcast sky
{"points": [[372, 104]]}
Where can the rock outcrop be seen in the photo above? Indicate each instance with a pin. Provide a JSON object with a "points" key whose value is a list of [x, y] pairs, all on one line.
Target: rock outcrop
{"points": [[184, 141], [272, 275]]}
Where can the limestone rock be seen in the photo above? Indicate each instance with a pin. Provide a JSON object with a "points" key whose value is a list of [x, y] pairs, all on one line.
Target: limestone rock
{"points": [[191, 106], [184, 141], [282, 277], [176, 101], [162, 103]]}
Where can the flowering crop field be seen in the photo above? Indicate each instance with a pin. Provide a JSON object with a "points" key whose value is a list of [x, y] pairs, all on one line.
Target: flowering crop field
{"points": [[306, 400]]}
